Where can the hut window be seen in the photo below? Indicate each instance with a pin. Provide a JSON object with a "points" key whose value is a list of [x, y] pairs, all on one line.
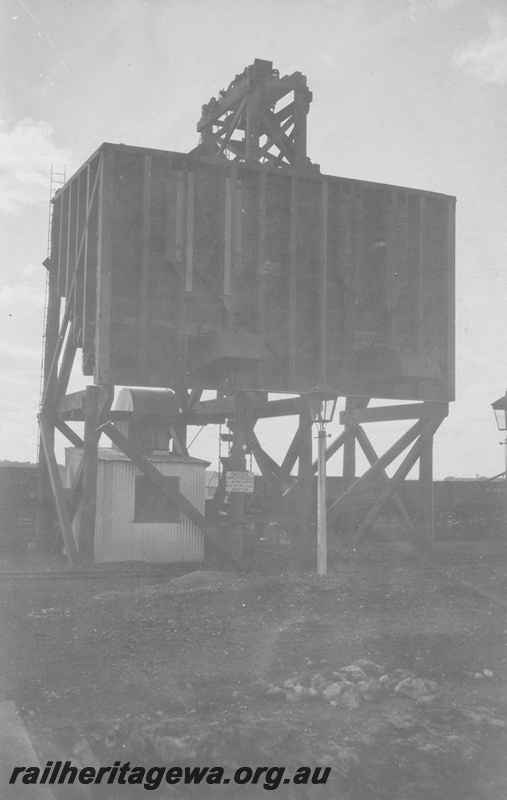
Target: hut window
{"points": [[150, 505]]}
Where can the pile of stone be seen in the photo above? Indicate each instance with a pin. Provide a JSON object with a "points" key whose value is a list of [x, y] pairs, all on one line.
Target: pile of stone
{"points": [[348, 687]]}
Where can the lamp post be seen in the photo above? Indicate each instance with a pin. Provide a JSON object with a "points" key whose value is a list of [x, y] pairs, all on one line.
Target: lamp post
{"points": [[322, 406], [500, 409]]}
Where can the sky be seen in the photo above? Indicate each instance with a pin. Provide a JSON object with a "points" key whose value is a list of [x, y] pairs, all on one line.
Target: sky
{"points": [[407, 92]]}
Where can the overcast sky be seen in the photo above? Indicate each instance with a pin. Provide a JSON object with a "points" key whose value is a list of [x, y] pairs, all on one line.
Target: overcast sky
{"points": [[409, 92]]}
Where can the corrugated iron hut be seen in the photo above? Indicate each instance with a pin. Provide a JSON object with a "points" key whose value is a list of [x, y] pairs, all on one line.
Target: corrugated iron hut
{"points": [[134, 522]]}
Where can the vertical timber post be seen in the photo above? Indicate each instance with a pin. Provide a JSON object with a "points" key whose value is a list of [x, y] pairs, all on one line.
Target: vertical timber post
{"points": [[237, 463], [427, 531], [304, 499], [86, 535], [45, 503], [321, 504], [349, 475]]}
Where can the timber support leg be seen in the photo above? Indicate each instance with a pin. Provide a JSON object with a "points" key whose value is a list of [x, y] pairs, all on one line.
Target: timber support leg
{"points": [[86, 535], [425, 500], [237, 463], [304, 501]]}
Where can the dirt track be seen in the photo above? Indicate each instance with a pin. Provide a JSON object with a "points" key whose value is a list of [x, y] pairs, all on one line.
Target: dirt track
{"points": [[129, 665]]}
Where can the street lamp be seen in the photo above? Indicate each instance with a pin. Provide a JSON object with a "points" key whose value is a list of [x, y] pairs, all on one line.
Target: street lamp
{"points": [[322, 406], [500, 409]]}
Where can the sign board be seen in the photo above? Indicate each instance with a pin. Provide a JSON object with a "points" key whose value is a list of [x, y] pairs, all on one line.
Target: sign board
{"points": [[240, 482]]}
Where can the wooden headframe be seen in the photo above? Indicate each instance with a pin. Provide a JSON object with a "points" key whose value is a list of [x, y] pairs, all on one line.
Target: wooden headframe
{"points": [[250, 123]]}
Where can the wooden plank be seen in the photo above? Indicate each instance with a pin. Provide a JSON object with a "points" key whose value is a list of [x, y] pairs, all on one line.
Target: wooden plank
{"points": [[450, 288], [301, 105], [145, 278], [61, 229], [86, 536], [68, 357], [430, 426], [335, 445], [425, 498], [45, 510], [51, 332], [237, 250], [390, 413], [63, 243], [261, 269], [231, 123], [228, 236], [420, 330], [237, 463], [349, 462], [69, 434], [104, 267], [292, 454], [180, 214], [323, 282], [73, 401], [293, 280], [278, 408], [373, 472], [189, 259], [48, 397], [225, 406], [168, 491], [372, 457], [179, 437], [89, 267], [303, 489], [75, 249], [58, 493], [74, 495], [69, 248], [266, 465]]}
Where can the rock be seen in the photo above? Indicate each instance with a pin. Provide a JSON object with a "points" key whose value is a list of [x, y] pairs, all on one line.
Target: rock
{"points": [[385, 680], [274, 690], [332, 691], [426, 701], [289, 683], [318, 682], [478, 675], [349, 697], [412, 687], [304, 691], [401, 674], [369, 667], [497, 723], [371, 691], [488, 673], [353, 672], [267, 689]]}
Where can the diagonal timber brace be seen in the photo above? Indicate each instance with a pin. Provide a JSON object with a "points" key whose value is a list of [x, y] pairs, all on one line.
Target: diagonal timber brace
{"points": [[425, 436], [369, 451]]}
